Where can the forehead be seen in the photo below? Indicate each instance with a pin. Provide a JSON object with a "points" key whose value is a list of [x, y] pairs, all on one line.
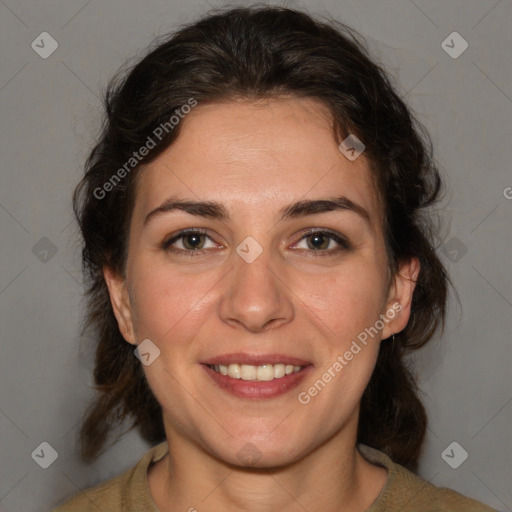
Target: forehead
{"points": [[260, 154]]}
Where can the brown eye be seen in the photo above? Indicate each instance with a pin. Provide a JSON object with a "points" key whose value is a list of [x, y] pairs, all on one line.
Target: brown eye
{"points": [[324, 243], [193, 240], [318, 241], [189, 241]]}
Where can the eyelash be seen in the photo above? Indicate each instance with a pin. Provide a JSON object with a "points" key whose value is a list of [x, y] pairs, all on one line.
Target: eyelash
{"points": [[342, 241]]}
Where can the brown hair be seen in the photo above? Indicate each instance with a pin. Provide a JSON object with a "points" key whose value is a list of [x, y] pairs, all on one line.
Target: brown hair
{"points": [[251, 53]]}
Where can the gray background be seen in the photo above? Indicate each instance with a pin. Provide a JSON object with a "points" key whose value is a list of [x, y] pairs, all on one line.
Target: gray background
{"points": [[50, 113]]}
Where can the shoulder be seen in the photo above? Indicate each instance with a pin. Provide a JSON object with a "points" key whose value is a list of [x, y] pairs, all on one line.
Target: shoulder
{"points": [[128, 491], [105, 496], [405, 490]]}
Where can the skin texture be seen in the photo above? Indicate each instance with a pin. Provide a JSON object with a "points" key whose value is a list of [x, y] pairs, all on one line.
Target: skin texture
{"points": [[256, 158]]}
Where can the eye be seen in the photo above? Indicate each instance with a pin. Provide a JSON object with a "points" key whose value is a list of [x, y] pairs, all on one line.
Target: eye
{"points": [[188, 241], [193, 242], [323, 242]]}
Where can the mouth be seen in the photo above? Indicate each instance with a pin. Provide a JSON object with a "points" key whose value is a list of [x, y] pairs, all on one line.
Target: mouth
{"points": [[265, 372], [257, 376]]}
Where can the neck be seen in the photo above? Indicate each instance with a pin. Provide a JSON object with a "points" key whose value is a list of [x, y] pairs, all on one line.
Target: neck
{"points": [[333, 477]]}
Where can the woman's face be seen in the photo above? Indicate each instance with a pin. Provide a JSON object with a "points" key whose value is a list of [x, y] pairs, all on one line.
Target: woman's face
{"points": [[284, 265]]}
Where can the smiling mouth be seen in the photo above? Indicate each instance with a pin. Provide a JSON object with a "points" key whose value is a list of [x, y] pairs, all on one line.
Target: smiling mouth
{"points": [[264, 372]]}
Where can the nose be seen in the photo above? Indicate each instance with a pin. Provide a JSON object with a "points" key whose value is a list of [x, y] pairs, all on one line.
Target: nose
{"points": [[256, 296]]}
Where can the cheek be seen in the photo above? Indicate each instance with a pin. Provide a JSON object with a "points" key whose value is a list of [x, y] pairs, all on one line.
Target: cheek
{"points": [[344, 306], [167, 305], [347, 301], [348, 307]]}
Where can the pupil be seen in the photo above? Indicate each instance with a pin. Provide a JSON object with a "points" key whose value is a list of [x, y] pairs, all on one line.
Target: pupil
{"points": [[196, 240], [317, 238]]}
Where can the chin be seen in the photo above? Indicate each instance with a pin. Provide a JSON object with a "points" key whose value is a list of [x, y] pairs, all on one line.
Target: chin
{"points": [[258, 451]]}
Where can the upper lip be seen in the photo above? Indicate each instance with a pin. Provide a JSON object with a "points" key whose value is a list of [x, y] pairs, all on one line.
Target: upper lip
{"points": [[255, 359]]}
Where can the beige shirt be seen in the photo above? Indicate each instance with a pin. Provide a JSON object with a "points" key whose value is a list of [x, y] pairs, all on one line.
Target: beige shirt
{"points": [[403, 491]]}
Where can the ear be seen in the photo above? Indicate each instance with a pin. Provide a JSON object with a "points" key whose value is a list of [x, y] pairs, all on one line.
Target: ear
{"points": [[398, 306], [120, 300]]}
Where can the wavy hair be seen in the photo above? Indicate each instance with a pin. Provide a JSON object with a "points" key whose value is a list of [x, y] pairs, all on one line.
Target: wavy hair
{"points": [[251, 53]]}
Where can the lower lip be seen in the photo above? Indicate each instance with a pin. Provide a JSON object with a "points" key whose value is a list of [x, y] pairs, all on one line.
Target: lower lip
{"points": [[258, 389]]}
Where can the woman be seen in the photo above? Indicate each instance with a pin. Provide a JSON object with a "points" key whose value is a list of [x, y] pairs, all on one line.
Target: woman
{"points": [[260, 261]]}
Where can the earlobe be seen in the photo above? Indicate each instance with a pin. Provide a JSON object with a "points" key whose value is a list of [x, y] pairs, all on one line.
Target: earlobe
{"points": [[120, 302], [400, 296]]}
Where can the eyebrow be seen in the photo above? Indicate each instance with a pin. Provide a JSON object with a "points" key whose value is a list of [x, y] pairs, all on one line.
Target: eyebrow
{"points": [[215, 210]]}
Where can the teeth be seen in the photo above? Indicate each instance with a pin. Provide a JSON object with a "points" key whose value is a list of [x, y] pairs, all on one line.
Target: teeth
{"points": [[234, 371], [264, 372], [248, 372], [279, 371]]}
